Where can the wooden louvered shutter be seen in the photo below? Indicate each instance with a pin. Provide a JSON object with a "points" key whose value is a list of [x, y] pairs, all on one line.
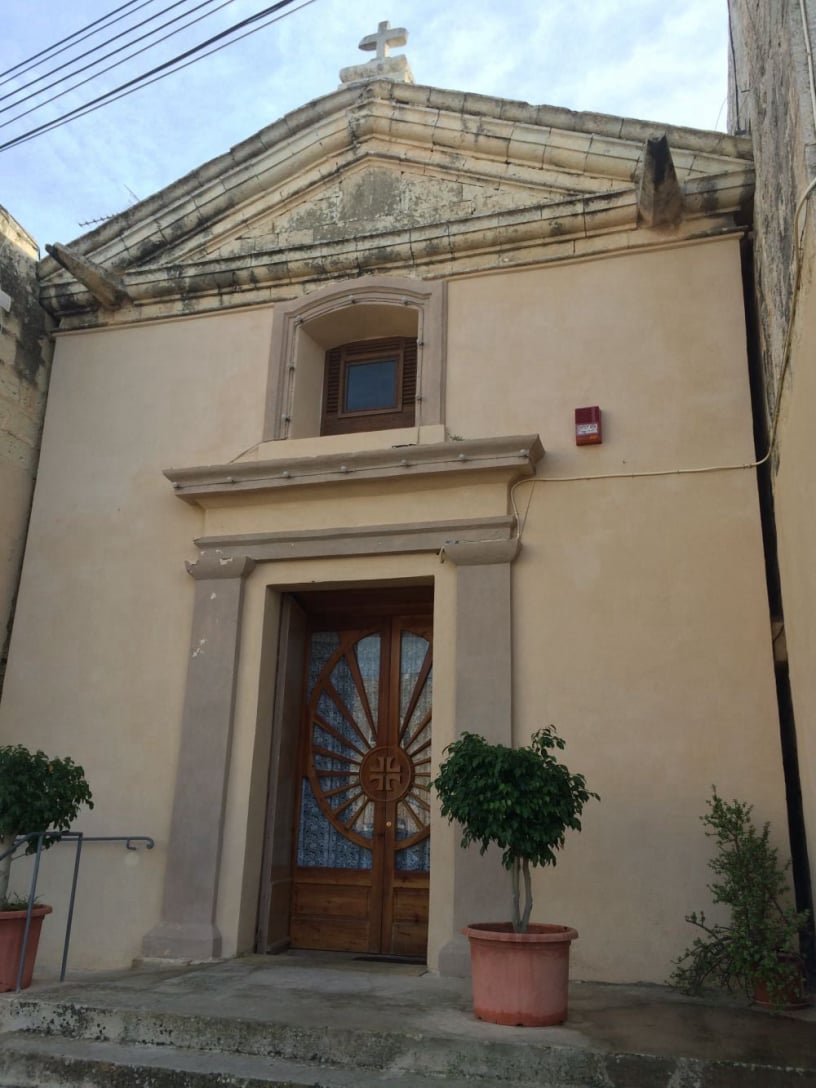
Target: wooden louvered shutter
{"points": [[337, 417], [331, 395], [409, 378]]}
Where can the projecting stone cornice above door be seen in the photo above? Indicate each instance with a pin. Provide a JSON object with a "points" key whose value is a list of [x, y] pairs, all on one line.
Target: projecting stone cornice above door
{"points": [[510, 456]]}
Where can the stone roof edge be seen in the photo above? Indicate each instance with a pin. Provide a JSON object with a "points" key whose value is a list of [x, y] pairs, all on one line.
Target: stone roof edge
{"points": [[237, 280], [510, 111], [13, 231]]}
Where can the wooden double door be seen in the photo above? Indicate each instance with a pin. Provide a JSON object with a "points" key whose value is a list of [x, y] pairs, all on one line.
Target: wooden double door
{"points": [[362, 851]]}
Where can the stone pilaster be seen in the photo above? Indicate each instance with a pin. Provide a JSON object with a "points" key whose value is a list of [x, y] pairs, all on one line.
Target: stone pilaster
{"points": [[187, 930], [484, 687]]}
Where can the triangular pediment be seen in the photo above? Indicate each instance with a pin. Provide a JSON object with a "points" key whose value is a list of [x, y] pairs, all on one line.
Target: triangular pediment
{"points": [[372, 196], [383, 177]]}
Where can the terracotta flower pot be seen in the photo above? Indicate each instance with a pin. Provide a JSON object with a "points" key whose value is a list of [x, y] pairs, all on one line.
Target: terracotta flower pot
{"points": [[12, 929], [520, 978], [792, 995]]}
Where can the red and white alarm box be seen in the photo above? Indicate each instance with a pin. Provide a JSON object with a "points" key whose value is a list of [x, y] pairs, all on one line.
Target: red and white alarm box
{"points": [[588, 426]]}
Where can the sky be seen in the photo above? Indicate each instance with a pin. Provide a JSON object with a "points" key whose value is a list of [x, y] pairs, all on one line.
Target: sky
{"points": [[636, 58]]}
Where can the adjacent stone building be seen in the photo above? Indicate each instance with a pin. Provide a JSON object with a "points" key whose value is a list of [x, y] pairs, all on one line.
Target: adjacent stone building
{"points": [[409, 376], [25, 363], [773, 100]]}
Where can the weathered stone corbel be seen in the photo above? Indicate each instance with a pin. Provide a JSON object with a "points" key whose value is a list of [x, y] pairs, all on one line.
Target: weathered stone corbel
{"points": [[105, 288], [660, 198]]}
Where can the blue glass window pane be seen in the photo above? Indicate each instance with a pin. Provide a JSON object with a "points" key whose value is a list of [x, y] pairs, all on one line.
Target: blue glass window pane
{"points": [[368, 657], [367, 652], [371, 385], [412, 657], [414, 859], [324, 644], [321, 845]]}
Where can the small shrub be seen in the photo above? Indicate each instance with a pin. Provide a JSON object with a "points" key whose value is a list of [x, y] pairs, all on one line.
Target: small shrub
{"points": [[36, 794], [760, 940]]}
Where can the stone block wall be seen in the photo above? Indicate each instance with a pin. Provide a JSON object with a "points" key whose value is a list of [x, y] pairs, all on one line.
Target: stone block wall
{"points": [[25, 365], [773, 99], [770, 100]]}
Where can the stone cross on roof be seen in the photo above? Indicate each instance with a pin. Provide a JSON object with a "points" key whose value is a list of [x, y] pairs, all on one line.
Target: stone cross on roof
{"points": [[384, 39], [382, 65]]}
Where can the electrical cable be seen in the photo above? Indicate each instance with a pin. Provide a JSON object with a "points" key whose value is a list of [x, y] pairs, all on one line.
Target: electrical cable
{"points": [[164, 69], [116, 64], [31, 61], [758, 462], [798, 257], [69, 74]]}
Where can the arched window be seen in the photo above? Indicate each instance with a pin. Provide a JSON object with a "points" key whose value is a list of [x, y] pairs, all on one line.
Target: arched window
{"points": [[363, 356]]}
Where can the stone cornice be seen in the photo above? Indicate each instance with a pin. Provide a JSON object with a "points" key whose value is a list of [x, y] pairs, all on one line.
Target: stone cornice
{"points": [[211, 485], [514, 239], [247, 278]]}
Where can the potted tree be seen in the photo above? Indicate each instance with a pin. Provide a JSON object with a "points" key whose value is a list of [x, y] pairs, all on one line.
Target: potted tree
{"points": [[36, 794], [523, 801], [757, 949]]}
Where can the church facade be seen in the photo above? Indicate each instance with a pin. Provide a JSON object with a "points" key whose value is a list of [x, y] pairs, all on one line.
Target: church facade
{"points": [[417, 412]]}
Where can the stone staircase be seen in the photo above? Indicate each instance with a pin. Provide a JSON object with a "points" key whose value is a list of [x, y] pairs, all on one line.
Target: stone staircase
{"points": [[78, 1046], [216, 1028]]}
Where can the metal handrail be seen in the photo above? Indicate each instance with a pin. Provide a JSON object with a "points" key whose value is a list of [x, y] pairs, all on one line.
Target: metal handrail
{"points": [[79, 838]]}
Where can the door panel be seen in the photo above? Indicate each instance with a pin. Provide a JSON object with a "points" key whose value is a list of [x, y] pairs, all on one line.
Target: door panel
{"points": [[362, 851], [331, 910]]}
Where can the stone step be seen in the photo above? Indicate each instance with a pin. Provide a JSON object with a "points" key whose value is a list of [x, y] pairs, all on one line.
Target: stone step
{"points": [[70, 1043], [341, 1046], [32, 1061]]}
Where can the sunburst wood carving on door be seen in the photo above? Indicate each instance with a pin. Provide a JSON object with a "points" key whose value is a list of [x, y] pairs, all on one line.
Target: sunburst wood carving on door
{"points": [[356, 760], [363, 857]]}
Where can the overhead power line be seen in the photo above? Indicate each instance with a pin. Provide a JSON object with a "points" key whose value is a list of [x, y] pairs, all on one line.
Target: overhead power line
{"points": [[116, 64], [160, 71], [67, 65], [54, 49]]}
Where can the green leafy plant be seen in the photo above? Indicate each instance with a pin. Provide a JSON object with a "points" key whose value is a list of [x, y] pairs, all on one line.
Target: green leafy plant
{"points": [[520, 799], [760, 941], [36, 794]]}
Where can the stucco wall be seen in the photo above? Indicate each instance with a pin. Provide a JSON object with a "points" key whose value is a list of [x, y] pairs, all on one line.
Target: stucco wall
{"points": [[97, 663], [770, 68], [640, 618], [640, 624], [25, 361]]}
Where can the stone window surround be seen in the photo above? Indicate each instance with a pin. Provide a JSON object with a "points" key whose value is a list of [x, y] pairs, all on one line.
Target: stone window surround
{"points": [[427, 298]]}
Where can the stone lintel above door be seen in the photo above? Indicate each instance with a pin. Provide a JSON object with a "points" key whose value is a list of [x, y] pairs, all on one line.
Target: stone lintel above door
{"points": [[447, 538]]}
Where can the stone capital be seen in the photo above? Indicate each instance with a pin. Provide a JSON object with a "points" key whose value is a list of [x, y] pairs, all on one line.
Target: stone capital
{"points": [[481, 553], [214, 565]]}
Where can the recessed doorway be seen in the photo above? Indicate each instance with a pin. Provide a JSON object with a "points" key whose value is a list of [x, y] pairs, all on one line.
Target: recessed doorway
{"points": [[360, 871]]}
